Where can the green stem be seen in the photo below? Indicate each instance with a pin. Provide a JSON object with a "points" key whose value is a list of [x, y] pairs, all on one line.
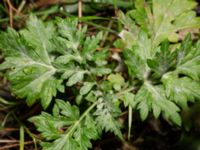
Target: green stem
{"points": [[126, 90], [81, 118]]}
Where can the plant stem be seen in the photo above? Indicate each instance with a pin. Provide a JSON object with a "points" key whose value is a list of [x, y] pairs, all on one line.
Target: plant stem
{"points": [[21, 143], [81, 118], [126, 90], [130, 111]]}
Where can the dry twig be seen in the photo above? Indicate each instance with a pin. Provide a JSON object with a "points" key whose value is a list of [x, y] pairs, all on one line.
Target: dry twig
{"points": [[11, 8], [79, 12], [14, 145]]}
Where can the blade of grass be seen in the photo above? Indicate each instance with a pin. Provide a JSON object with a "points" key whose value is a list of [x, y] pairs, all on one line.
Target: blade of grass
{"points": [[5, 119], [129, 121], [95, 18], [5, 102], [27, 131], [101, 27], [106, 33], [21, 142]]}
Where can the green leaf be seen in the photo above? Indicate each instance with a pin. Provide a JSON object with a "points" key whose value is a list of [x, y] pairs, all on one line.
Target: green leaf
{"points": [[84, 133], [184, 49], [82, 139], [49, 90], [136, 66], [172, 16], [63, 143], [90, 45], [30, 75], [144, 110], [80, 57], [139, 14], [136, 57], [67, 73], [181, 90], [50, 126], [65, 59], [60, 45], [68, 29], [128, 38], [93, 95], [161, 19], [100, 57], [164, 60], [189, 59], [67, 110], [100, 71], [116, 80], [91, 128], [86, 87], [79, 99], [38, 35], [129, 99], [150, 97], [67, 130], [76, 77], [106, 114]]}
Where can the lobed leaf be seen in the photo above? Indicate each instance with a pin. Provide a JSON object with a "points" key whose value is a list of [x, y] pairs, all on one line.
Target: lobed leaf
{"points": [[30, 75], [181, 90], [39, 57], [66, 129], [153, 98], [160, 19]]}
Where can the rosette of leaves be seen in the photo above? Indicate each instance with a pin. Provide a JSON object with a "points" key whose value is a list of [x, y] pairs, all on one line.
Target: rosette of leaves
{"points": [[165, 77], [42, 57]]}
